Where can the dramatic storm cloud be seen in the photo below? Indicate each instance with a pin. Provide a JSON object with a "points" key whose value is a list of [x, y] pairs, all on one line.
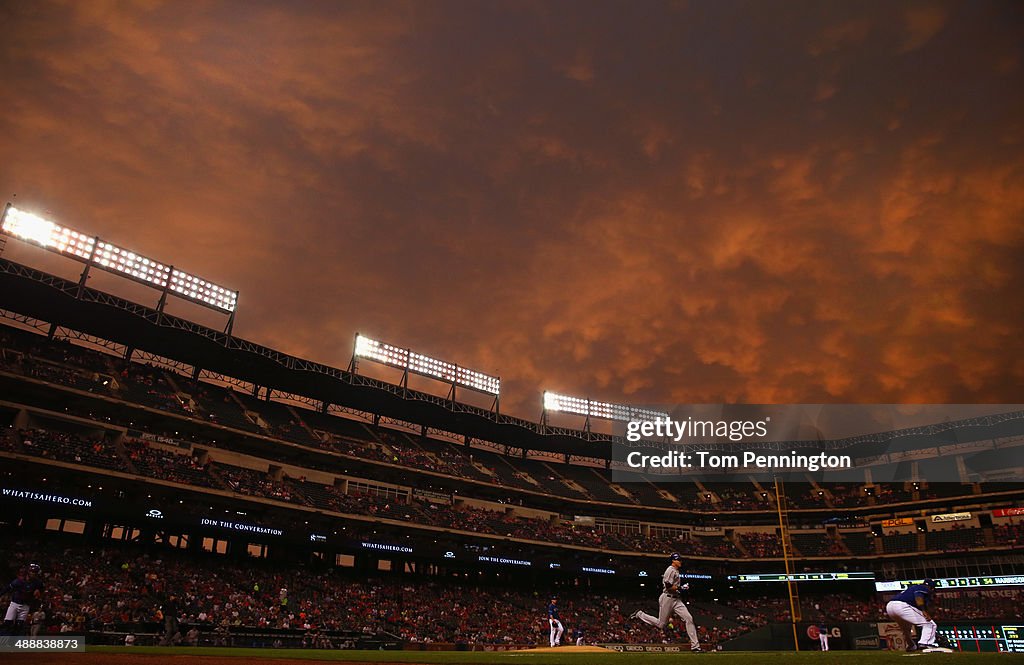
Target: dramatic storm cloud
{"points": [[653, 202]]}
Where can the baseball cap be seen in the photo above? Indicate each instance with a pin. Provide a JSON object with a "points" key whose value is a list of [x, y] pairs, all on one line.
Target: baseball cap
{"points": [[34, 568], [675, 557], [929, 582]]}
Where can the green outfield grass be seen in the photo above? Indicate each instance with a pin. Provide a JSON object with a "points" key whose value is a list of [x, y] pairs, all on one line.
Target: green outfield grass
{"points": [[480, 657]]}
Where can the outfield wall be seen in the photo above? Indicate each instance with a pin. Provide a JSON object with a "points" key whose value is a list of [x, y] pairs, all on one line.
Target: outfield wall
{"points": [[843, 636]]}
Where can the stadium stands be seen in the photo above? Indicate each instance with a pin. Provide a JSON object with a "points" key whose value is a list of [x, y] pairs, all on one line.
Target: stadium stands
{"points": [[70, 447], [176, 467], [860, 543], [817, 543], [79, 367], [119, 589], [761, 545], [1009, 534], [900, 542], [100, 417], [157, 403], [957, 539]]}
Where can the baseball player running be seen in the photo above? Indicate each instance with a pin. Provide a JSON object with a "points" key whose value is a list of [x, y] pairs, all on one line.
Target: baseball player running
{"points": [[910, 608], [23, 589], [670, 603], [554, 622]]}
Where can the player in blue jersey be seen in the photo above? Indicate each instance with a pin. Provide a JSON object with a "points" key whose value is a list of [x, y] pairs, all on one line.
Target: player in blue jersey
{"points": [[577, 635], [24, 589], [909, 608], [554, 622]]}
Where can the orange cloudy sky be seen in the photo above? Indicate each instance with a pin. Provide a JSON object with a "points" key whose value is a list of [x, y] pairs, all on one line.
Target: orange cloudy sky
{"points": [[644, 202]]}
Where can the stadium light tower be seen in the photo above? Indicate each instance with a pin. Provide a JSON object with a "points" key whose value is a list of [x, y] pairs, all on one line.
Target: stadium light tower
{"points": [[416, 363], [95, 252], [588, 408]]}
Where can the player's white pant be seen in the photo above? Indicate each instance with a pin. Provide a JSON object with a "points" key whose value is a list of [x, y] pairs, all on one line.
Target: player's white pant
{"points": [[579, 641], [907, 615], [667, 606], [556, 631], [17, 612], [823, 638]]}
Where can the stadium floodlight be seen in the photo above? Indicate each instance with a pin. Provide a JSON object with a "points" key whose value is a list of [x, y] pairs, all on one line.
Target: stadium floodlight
{"points": [[32, 228], [592, 409], [117, 259], [113, 258], [417, 363], [427, 366], [479, 381], [385, 354], [195, 288]]}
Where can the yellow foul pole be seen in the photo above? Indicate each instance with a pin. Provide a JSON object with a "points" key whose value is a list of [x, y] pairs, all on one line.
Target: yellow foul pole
{"points": [[787, 553]]}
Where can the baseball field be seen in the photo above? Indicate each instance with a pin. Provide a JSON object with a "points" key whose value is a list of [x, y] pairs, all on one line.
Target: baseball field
{"points": [[564, 656]]}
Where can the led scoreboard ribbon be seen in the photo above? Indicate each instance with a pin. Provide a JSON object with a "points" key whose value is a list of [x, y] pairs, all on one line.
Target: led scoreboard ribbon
{"points": [[956, 582], [804, 577]]}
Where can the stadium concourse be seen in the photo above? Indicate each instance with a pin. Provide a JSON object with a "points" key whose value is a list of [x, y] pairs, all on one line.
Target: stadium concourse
{"points": [[141, 485]]}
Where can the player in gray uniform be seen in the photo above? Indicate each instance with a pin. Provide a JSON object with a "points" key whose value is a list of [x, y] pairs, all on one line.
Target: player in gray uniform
{"points": [[670, 603]]}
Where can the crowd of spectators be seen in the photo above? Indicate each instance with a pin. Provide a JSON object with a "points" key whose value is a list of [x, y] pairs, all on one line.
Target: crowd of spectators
{"points": [[747, 497], [178, 466], [895, 542], [852, 496], [981, 604], [56, 362], [816, 543], [761, 545], [740, 497], [147, 385], [125, 588], [1009, 534], [860, 543], [844, 607], [407, 454], [958, 538], [217, 405], [62, 362], [256, 483], [166, 465], [91, 450], [831, 547], [68, 364], [121, 589]]}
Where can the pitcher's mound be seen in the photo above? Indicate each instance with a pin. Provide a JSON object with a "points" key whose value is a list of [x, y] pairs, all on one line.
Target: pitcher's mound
{"points": [[569, 649]]}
